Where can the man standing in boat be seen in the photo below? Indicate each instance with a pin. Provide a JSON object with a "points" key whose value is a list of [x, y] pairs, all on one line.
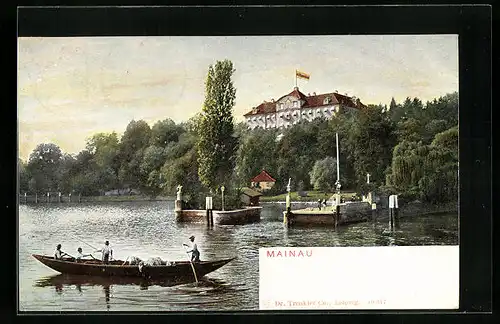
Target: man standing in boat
{"points": [[107, 252], [58, 254], [195, 254]]}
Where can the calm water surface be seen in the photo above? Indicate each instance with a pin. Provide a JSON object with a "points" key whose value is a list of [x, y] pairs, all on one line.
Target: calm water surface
{"points": [[146, 229]]}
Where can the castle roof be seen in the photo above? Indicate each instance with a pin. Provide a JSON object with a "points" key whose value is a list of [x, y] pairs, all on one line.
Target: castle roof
{"points": [[310, 101]]}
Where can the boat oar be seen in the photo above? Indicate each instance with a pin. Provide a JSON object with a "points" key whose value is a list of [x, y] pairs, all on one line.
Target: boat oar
{"points": [[192, 267], [86, 243], [69, 255]]}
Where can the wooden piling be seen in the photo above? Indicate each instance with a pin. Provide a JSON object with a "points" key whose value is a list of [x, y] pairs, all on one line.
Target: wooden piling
{"points": [[60, 197], [208, 207], [69, 196], [393, 206], [79, 198], [36, 198], [396, 211], [48, 197], [288, 213], [337, 215]]}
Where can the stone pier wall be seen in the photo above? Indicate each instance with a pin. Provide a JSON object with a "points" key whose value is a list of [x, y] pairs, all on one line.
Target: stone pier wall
{"points": [[231, 217]]}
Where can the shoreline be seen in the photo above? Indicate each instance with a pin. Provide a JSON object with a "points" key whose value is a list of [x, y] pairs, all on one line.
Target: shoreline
{"points": [[312, 196], [30, 200]]}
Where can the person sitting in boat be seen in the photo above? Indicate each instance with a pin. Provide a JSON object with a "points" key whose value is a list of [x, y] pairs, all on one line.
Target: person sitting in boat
{"points": [[58, 254], [80, 255], [106, 251], [195, 254]]}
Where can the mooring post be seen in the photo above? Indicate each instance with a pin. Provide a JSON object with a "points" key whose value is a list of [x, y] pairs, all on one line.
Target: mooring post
{"points": [[36, 198], [222, 198], [391, 211], [286, 218], [337, 215], [79, 197], [208, 206], [396, 211], [25, 198], [59, 196], [374, 211], [48, 197], [69, 196], [207, 209]]}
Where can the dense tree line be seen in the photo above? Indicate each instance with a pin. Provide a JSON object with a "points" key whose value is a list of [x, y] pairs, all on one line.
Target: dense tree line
{"points": [[409, 148]]}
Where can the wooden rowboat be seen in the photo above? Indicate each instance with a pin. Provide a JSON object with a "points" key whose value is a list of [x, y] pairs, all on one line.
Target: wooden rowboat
{"points": [[115, 268]]}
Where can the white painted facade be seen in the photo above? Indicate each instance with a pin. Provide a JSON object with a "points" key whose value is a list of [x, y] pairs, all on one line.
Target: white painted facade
{"points": [[290, 110]]}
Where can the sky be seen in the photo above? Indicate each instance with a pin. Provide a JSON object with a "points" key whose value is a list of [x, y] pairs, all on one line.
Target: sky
{"points": [[72, 88]]}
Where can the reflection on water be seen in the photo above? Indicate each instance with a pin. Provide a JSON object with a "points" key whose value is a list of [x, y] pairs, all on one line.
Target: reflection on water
{"points": [[146, 229], [205, 288]]}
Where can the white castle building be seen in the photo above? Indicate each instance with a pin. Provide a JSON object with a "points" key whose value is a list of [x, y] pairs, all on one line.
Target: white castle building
{"points": [[296, 106]]}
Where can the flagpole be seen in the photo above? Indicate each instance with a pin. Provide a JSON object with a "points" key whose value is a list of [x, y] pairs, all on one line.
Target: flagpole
{"points": [[295, 78]]}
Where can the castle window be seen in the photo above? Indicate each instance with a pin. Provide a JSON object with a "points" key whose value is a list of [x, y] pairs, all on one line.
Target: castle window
{"points": [[327, 100]]}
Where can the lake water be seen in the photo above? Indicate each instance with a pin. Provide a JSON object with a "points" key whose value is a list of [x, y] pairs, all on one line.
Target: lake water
{"points": [[146, 229]]}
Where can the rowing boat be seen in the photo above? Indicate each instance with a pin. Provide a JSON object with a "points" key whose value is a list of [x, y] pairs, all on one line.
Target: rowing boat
{"points": [[117, 268]]}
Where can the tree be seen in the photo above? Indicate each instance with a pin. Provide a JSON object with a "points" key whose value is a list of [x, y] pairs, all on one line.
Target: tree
{"points": [[427, 172], [105, 149], [256, 152], [133, 143], [396, 111], [65, 173], [24, 176], [432, 128], [164, 132], [444, 108], [408, 167], [150, 180], [183, 170], [43, 165], [372, 140], [216, 143], [297, 151], [342, 125], [324, 175], [84, 178], [409, 129]]}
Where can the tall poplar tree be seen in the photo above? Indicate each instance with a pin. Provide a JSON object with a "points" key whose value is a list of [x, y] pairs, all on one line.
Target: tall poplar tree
{"points": [[217, 144]]}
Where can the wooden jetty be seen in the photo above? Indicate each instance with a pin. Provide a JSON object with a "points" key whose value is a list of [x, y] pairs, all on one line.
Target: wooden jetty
{"points": [[350, 212]]}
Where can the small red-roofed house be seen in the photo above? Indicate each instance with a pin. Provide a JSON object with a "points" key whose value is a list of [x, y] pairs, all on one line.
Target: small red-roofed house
{"points": [[263, 181]]}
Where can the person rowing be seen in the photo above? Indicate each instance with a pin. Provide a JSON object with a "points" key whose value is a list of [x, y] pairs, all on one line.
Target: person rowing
{"points": [[80, 256], [195, 254], [107, 252], [58, 253]]}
